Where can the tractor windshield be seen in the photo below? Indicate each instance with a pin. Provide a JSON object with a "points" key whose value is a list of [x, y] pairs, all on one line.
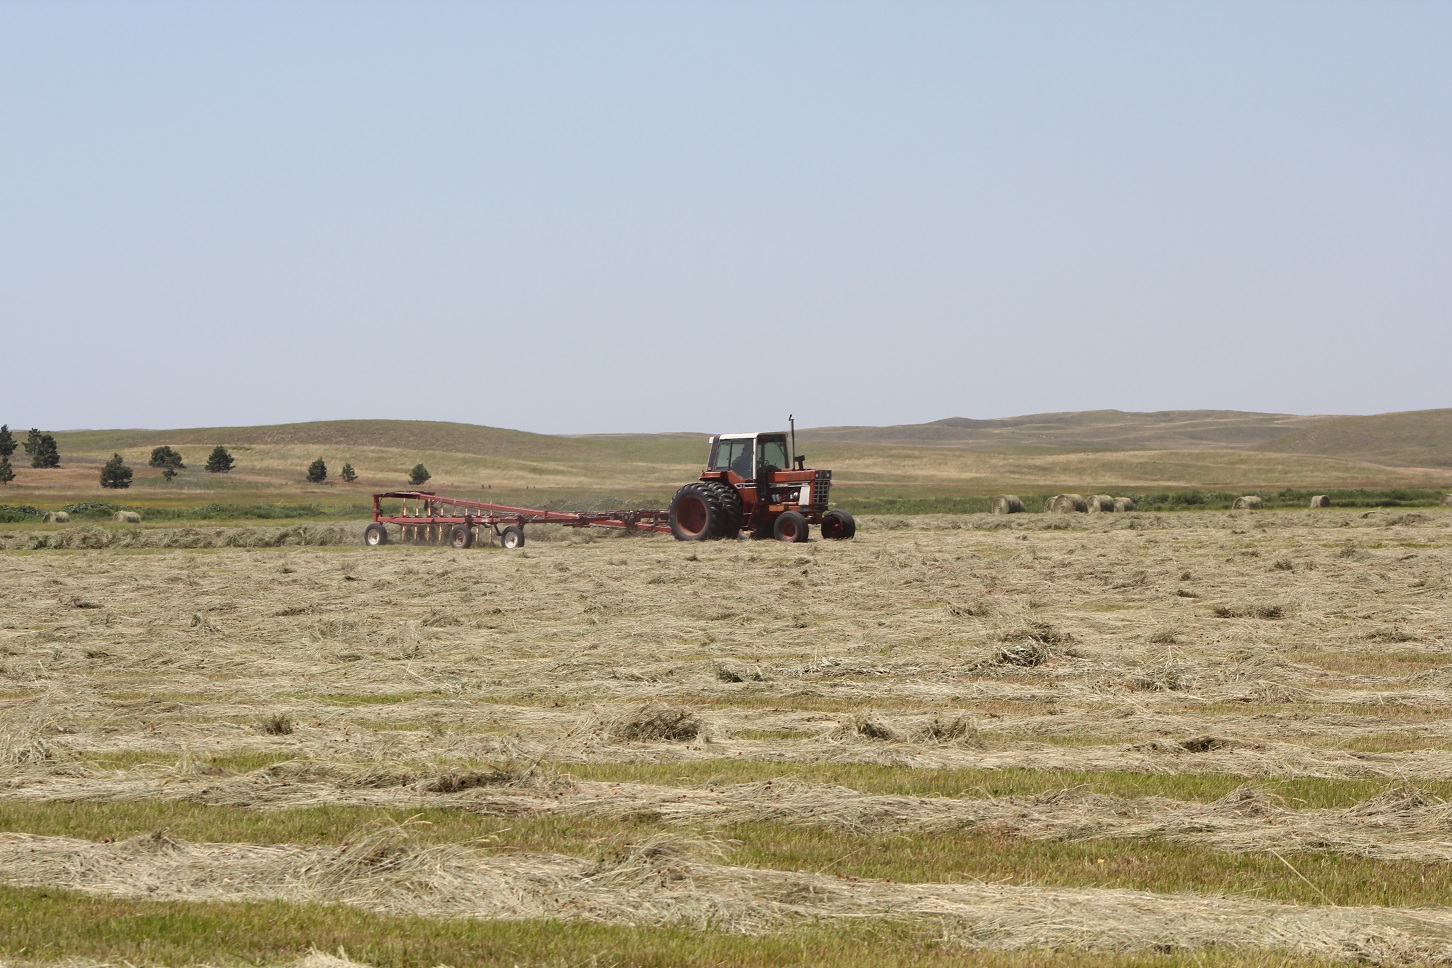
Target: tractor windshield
{"points": [[773, 451], [733, 454]]}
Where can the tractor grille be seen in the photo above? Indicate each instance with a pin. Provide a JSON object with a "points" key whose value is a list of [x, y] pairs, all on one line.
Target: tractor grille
{"points": [[821, 487]]}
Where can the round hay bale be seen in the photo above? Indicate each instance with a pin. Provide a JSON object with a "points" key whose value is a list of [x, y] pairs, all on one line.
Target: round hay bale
{"points": [[1321, 501], [127, 517], [1100, 502], [1065, 503], [1124, 504], [1447, 499], [56, 517], [1250, 502], [1008, 504]]}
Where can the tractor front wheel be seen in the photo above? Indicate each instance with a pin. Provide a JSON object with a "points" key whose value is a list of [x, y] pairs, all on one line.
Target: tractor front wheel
{"points": [[838, 525], [695, 513], [790, 526]]}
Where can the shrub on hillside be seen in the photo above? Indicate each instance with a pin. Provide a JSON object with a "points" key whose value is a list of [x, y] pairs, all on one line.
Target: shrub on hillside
{"points": [[115, 474], [43, 450], [219, 461], [419, 475], [164, 456]]}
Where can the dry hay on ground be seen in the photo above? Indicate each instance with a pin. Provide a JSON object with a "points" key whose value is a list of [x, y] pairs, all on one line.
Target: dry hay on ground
{"points": [[1008, 504], [1283, 647], [1066, 502]]}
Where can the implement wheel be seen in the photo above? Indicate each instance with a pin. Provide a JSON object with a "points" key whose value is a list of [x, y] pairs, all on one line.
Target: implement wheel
{"points": [[790, 526], [696, 513], [461, 537], [838, 525], [512, 537], [375, 534]]}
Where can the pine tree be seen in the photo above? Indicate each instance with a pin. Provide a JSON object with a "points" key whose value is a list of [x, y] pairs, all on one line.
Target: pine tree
{"points": [[7, 473], [419, 475], [317, 472], [168, 473], [219, 462], [116, 473], [32, 441], [164, 456], [349, 475], [7, 442], [46, 453]]}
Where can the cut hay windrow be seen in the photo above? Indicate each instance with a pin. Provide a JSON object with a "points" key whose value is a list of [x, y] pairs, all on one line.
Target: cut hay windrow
{"points": [[1402, 824]]}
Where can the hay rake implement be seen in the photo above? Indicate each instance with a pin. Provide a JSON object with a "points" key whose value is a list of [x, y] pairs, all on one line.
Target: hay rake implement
{"points": [[434, 519]]}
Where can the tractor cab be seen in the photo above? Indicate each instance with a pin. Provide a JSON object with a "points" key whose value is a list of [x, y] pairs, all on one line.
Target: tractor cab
{"points": [[749, 455]]}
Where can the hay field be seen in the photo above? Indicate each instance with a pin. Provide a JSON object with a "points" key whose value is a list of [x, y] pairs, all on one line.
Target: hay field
{"points": [[1218, 738]]}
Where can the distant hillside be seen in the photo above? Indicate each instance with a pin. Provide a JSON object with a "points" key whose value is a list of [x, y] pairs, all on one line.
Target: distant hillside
{"points": [[1420, 438], [1415, 438], [1094, 452], [1087, 430], [403, 435]]}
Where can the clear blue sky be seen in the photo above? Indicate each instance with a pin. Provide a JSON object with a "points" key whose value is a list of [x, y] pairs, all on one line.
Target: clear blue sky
{"points": [[596, 216]]}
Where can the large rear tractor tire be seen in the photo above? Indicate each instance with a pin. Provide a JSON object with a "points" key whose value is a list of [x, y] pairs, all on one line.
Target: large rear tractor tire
{"points": [[696, 513], [838, 525], [461, 537], [512, 537], [730, 502], [375, 534], [790, 526]]}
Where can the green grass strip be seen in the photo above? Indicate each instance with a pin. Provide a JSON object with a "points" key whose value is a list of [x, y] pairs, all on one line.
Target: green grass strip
{"points": [[1301, 792], [42, 924]]}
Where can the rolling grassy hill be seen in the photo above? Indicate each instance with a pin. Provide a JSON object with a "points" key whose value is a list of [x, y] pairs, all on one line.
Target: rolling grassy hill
{"points": [[1416, 438], [1087, 430], [910, 466]]}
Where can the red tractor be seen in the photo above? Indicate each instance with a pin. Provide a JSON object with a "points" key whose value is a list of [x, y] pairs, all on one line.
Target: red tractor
{"points": [[750, 486]]}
